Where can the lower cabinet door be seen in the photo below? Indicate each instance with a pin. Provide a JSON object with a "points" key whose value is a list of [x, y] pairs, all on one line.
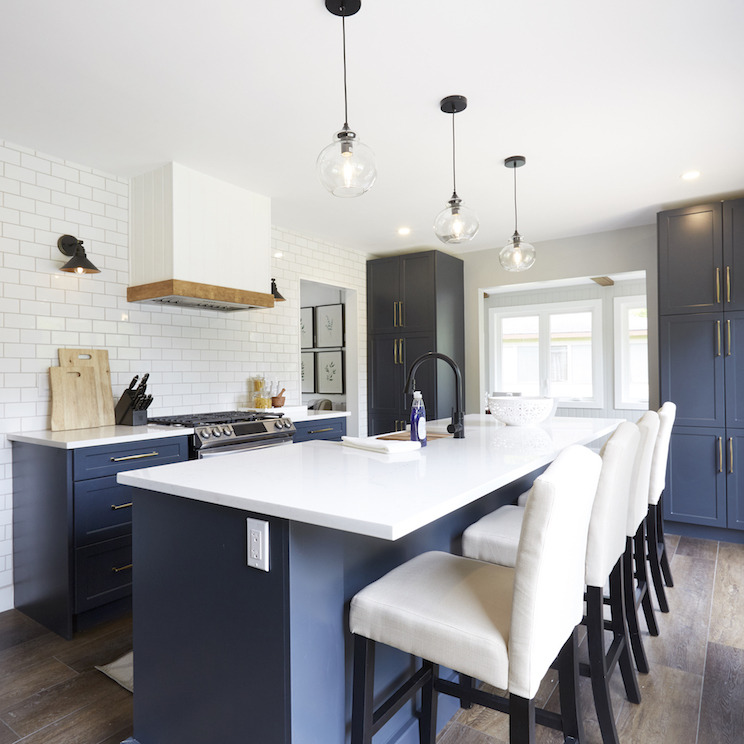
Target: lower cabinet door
{"points": [[103, 510], [383, 424], [332, 429], [103, 573], [696, 477], [734, 478]]}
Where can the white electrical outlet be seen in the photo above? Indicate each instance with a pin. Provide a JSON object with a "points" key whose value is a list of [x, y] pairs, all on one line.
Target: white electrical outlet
{"points": [[258, 544]]}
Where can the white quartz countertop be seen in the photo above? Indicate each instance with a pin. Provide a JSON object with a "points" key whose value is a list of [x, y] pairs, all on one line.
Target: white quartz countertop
{"points": [[97, 436], [104, 435], [386, 496]]}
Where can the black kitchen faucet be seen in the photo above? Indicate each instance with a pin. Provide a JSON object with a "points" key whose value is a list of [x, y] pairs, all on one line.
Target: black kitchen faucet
{"points": [[457, 426]]}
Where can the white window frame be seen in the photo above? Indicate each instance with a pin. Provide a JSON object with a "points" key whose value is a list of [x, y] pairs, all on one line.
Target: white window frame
{"points": [[620, 333], [544, 311]]}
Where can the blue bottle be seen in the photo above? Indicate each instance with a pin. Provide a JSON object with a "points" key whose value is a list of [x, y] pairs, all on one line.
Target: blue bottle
{"points": [[418, 419]]}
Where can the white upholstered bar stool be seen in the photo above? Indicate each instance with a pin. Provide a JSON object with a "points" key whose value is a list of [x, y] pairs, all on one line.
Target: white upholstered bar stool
{"points": [[605, 549], [658, 559], [636, 584], [501, 625]]}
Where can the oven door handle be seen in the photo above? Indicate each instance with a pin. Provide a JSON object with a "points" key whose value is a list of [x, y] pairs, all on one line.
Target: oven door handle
{"points": [[232, 449]]}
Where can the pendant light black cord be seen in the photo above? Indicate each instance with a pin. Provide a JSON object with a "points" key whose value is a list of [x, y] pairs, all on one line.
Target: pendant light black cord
{"points": [[454, 181], [346, 105]]}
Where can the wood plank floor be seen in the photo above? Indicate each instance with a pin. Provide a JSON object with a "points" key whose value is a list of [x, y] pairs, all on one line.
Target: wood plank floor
{"points": [[694, 693], [51, 693]]}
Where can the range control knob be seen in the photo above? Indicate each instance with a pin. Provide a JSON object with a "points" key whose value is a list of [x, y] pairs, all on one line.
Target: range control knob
{"points": [[278, 424], [226, 430], [287, 424], [216, 432], [204, 433]]}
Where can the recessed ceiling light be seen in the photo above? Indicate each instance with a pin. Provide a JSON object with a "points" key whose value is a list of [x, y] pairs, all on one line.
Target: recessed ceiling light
{"points": [[690, 175], [404, 230]]}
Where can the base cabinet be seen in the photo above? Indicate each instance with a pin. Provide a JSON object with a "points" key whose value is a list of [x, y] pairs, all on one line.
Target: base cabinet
{"points": [[703, 483], [72, 527], [331, 429]]}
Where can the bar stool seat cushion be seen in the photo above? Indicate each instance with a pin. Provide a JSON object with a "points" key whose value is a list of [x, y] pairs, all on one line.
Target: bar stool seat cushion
{"points": [[495, 537], [442, 607]]}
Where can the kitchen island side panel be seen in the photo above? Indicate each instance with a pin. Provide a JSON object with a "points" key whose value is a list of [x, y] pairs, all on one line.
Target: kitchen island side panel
{"points": [[211, 634]]}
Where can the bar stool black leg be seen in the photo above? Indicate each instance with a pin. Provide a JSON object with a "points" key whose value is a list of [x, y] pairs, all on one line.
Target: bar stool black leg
{"points": [[652, 545], [521, 720], [620, 626], [568, 689], [660, 533], [428, 720], [641, 573], [631, 612], [467, 684], [363, 691]]}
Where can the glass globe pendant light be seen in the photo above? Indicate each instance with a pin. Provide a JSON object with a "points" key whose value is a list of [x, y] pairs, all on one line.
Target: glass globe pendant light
{"points": [[516, 255], [347, 166], [455, 223]]}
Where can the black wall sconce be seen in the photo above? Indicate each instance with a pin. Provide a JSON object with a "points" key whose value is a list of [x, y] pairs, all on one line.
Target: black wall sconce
{"points": [[79, 263], [275, 292]]}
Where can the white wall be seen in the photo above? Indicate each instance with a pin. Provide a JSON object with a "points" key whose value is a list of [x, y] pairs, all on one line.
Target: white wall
{"points": [[599, 254], [197, 359]]}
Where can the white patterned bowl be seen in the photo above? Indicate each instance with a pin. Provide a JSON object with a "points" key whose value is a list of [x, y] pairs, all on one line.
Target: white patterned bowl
{"points": [[522, 411]]}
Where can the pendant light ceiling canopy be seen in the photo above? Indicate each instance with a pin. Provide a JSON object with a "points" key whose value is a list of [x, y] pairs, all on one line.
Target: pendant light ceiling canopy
{"points": [[516, 255], [347, 166], [79, 263], [455, 223]]}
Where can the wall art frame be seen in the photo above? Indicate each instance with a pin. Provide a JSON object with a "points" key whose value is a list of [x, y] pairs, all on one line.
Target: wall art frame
{"points": [[329, 372], [329, 326]]}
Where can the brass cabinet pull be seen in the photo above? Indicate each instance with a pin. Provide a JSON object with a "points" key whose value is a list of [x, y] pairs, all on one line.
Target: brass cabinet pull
{"points": [[114, 507], [395, 315], [400, 313], [320, 431], [728, 336], [134, 457], [731, 454], [395, 351], [718, 334], [121, 568], [718, 285], [728, 284], [720, 454]]}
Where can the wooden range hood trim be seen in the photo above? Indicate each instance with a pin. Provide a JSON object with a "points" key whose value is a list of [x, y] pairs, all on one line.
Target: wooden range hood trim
{"points": [[175, 288]]}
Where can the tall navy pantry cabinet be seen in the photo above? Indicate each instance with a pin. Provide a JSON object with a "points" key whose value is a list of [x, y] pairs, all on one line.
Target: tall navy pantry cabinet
{"points": [[415, 304], [701, 362]]}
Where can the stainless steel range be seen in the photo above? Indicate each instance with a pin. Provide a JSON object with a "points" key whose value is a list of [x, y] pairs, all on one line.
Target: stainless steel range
{"points": [[227, 432]]}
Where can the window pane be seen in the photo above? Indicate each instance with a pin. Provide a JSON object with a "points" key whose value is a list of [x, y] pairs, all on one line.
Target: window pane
{"points": [[571, 355], [635, 350], [519, 364]]}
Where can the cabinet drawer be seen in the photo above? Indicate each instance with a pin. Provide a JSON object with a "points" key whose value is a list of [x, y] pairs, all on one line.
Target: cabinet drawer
{"points": [[323, 429], [95, 462], [103, 510], [103, 573]]}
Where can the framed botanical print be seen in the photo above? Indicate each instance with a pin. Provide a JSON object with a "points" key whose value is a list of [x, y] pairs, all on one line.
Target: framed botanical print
{"points": [[329, 372], [329, 325], [307, 372], [307, 327]]}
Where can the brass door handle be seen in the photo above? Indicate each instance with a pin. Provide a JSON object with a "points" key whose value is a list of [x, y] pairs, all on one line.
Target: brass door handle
{"points": [[114, 507], [395, 351], [395, 315], [121, 568], [731, 455], [400, 313], [133, 457], [728, 336], [320, 431], [718, 285], [718, 335], [728, 284], [720, 454]]}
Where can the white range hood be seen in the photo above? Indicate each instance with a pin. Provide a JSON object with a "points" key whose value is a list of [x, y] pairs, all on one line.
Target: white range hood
{"points": [[196, 241]]}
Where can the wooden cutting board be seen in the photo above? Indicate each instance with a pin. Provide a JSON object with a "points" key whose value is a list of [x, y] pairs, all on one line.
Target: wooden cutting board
{"points": [[98, 361], [74, 394], [406, 435]]}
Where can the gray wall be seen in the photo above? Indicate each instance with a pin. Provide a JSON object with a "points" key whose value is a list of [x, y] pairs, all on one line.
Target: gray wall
{"points": [[598, 254]]}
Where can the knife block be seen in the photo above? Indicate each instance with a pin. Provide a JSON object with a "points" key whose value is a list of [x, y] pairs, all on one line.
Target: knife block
{"points": [[125, 414]]}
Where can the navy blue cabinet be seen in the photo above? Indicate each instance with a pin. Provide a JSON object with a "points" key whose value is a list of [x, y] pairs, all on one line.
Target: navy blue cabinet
{"points": [[415, 304], [701, 360], [329, 428], [72, 529]]}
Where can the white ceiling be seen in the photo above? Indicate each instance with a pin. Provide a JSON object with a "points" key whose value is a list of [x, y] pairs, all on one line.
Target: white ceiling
{"points": [[609, 102]]}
